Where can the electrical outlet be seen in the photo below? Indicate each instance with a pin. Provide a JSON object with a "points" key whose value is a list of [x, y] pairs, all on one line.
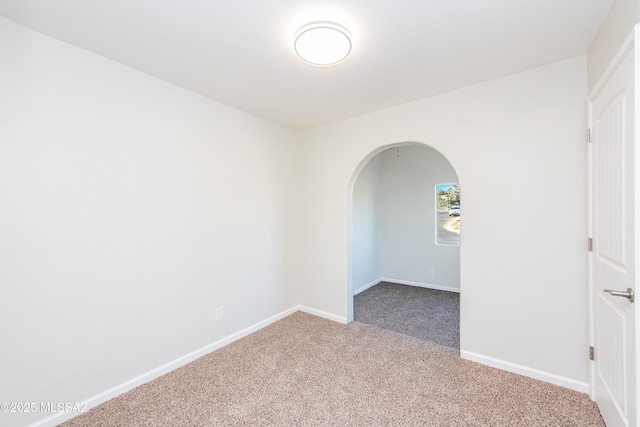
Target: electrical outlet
{"points": [[219, 313], [430, 270]]}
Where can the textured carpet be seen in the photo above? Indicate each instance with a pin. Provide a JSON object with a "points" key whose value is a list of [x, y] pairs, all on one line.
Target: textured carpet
{"points": [[427, 314], [307, 371]]}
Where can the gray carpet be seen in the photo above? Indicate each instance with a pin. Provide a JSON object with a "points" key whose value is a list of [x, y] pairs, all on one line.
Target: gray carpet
{"points": [[308, 371], [427, 314]]}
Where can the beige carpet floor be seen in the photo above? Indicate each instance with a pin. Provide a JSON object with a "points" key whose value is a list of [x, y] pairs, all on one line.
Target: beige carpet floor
{"points": [[307, 371]]}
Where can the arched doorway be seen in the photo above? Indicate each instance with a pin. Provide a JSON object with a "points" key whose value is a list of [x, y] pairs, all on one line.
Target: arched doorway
{"points": [[400, 199]]}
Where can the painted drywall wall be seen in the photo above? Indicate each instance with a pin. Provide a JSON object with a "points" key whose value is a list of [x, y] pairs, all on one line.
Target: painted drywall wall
{"points": [[130, 209], [409, 248], [622, 17], [517, 146], [367, 264]]}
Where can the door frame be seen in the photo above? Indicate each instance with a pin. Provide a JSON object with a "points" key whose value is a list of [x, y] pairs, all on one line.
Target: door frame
{"points": [[627, 46]]}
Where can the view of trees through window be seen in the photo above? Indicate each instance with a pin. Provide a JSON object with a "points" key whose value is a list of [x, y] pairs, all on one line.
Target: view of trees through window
{"points": [[448, 214]]}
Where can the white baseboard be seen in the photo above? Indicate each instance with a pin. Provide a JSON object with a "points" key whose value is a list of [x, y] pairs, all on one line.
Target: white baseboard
{"points": [[109, 394], [324, 314], [367, 286], [421, 285], [579, 386]]}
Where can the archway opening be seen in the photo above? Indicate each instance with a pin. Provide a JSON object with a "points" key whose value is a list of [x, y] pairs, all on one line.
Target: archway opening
{"points": [[404, 252]]}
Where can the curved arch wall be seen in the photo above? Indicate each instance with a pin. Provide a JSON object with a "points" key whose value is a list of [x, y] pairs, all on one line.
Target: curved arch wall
{"points": [[518, 147], [393, 221]]}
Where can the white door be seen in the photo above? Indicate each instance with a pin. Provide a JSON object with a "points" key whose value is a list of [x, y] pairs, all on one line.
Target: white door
{"points": [[614, 171]]}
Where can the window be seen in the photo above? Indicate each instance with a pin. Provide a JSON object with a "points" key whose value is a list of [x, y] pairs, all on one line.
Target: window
{"points": [[448, 214]]}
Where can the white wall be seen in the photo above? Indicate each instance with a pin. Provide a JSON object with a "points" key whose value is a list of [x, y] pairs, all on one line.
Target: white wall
{"points": [[367, 264], [410, 174], [515, 142], [623, 16], [129, 209]]}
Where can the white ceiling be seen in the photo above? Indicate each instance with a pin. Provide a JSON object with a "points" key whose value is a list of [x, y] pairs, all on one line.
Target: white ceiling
{"points": [[239, 52]]}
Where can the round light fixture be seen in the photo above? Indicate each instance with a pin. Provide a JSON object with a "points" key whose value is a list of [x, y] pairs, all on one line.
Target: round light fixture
{"points": [[322, 43]]}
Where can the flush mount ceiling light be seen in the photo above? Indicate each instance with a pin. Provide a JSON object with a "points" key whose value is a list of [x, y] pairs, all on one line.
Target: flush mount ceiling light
{"points": [[322, 43]]}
